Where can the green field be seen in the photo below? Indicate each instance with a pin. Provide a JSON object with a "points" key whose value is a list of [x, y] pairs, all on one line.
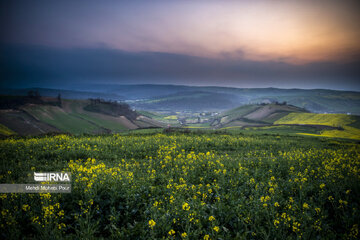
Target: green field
{"points": [[197, 185], [55, 116], [163, 118], [349, 124], [73, 117], [335, 120]]}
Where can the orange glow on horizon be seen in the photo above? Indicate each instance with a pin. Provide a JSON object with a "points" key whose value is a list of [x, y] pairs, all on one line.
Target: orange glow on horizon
{"points": [[296, 32]]}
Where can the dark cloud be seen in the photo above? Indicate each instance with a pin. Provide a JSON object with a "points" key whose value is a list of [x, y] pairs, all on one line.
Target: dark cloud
{"points": [[30, 66]]}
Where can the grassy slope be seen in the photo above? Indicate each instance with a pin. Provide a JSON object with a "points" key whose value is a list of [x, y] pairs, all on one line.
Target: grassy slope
{"points": [[233, 114], [6, 131], [73, 119], [234, 120], [239, 111], [23, 123], [152, 115], [55, 116], [256, 114], [334, 120], [75, 107], [162, 120], [347, 122]]}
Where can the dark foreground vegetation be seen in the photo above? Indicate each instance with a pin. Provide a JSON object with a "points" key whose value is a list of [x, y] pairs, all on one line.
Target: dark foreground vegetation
{"points": [[184, 185]]}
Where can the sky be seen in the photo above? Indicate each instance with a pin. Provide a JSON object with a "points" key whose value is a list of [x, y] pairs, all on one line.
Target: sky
{"points": [[254, 43]]}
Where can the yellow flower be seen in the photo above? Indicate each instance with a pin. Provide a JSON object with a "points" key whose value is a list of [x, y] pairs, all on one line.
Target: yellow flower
{"points": [[61, 225], [265, 205], [186, 207], [296, 226], [322, 186], [152, 223], [206, 237], [354, 231], [61, 213], [184, 235], [276, 204], [25, 207], [276, 223], [211, 218], [305, 205], [216, 228], [342, 202], [317, 210], [171, 232]]}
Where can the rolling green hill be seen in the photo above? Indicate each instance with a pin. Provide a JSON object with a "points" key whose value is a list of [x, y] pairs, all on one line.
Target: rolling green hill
{"points": [[334, 120], [254, 115], [348, 124], [70, 117], [282, 118]]}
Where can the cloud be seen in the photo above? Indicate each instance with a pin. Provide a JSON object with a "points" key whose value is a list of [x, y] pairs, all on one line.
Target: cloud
{"points": [[23, 65], [296, 31]]}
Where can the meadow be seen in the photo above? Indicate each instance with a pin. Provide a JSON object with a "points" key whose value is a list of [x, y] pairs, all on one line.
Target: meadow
{"points": [[184, 185]]}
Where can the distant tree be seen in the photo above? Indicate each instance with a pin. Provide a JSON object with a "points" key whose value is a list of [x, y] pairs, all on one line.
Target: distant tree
{"points": [[34, 94], [31, 93], [59, 100], [37, 94]]}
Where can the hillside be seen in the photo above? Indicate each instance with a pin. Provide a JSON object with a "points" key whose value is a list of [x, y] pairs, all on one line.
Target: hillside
{"points": [[349, 126], [254, 115], [281, 118], [71, 116]]}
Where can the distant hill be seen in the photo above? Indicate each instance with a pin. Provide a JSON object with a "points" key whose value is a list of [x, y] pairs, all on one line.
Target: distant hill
{"points": [[66, 94], [189, 101], [224, 98], [195, 98], [70, 116]]}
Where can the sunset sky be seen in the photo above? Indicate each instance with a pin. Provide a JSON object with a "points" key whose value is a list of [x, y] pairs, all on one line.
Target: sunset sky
{"points": [[304, 44]]}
